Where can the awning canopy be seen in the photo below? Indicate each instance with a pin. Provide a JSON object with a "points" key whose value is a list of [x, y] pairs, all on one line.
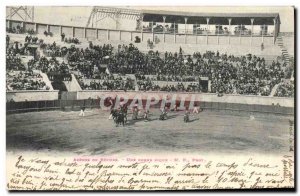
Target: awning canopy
{"points": [[214, 18]]}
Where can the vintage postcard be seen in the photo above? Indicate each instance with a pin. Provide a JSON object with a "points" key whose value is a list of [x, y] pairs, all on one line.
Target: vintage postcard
{"points": [[150, 98]]}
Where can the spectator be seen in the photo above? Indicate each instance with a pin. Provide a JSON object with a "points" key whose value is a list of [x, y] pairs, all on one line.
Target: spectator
{"points": [[7, 41], [285, 90], [63, 37]]}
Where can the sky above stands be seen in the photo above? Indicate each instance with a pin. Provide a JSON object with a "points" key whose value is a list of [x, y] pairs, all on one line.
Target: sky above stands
{"points": [[78, 16]]}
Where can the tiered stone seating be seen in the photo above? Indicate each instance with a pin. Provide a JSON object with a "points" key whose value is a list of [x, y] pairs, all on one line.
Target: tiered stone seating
{"points": [[269, 53]]}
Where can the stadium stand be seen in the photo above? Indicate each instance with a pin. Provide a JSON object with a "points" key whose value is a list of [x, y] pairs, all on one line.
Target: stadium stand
{"points": [[122, 65], [285, 90]]}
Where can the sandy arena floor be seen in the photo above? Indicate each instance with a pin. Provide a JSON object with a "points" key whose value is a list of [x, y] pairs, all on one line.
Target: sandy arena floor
{"points": [[94, 134]]}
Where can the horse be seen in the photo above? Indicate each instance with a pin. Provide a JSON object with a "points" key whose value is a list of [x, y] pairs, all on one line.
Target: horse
{"points": [[186, 118], [119, 118], [113, 114]]}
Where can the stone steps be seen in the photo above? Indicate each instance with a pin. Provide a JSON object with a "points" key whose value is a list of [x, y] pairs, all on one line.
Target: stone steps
{"points": [[284, 51], [46, 80], [274, 89]]}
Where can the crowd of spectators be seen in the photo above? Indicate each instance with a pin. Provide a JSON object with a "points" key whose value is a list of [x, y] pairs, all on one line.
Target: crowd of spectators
{"points": [[56, 71], [285, 90], [19, 30], [49, 66], [72, 40], [108, 83], [53, 50], [24, 80], [165, 78], [244, 75], [13, 61], [228, 73], [14, 64], [31, 39], [17, 48], [149, 85], [18, 77], [103, 76], [88, 61], [47, 33]]}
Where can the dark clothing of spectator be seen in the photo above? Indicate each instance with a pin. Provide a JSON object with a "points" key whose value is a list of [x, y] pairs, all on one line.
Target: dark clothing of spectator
{"points": [[63, 37]]}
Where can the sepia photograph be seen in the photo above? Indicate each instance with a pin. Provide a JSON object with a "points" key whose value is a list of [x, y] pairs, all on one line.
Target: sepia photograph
{"points": [[144, 98]]}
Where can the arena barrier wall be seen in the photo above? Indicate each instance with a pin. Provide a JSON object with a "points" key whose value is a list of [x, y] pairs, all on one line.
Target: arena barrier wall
{"points": [[201, 97], [31, 95], [38, 101], [93, 103]]}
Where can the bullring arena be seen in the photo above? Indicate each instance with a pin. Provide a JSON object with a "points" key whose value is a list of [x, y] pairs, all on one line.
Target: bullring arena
{"points": [[240, 68]]}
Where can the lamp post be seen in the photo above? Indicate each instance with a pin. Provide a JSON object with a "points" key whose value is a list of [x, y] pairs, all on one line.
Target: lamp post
{"points": [[207, 26], [262, 34], [274, 32], [174, 32], [241, 27], [252, 22], [152, 29], [196, 25], [229, 29], [218, 31], [185, 22], [164, 18], [141, 23]]}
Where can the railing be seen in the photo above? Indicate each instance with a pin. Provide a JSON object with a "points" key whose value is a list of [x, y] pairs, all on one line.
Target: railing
{"points": [[95, 33], [209, 32], [75, 105]]}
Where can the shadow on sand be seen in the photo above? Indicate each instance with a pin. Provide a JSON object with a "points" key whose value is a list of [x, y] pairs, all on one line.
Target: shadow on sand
{"points": [[131, 122], [194, 120]]}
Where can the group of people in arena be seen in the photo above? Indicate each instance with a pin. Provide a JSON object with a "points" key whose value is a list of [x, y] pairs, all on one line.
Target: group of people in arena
{"points": [[119, 113]]}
